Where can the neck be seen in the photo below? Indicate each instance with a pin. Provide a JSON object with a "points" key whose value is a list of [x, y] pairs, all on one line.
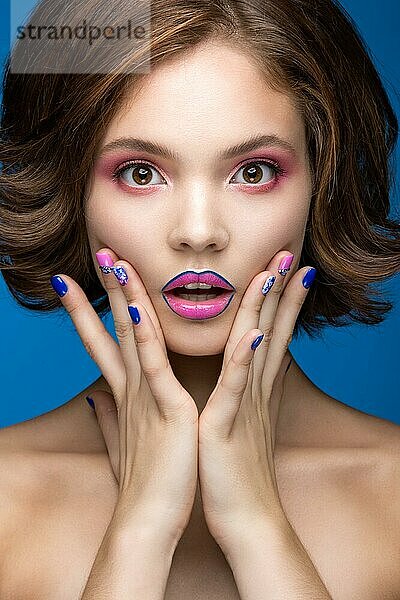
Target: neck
{"points": [[197, 374]]}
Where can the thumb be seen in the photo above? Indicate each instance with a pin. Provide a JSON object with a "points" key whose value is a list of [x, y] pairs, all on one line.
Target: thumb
{"points": [[107, 417]]}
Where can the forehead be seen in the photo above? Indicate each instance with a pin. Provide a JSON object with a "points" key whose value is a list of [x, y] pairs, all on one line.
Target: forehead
{"points": [[209, 94]]}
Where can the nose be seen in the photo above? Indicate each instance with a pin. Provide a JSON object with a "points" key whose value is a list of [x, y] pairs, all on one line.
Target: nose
{"points": [[199, 222]]}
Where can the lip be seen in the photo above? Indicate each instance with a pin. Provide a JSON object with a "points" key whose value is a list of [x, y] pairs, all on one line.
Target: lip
{"points": [[189, 309], [209, 277]]}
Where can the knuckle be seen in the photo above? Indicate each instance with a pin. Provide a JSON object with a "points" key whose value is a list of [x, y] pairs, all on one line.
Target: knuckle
{"points": [[123, 329], [268, 334], [105, 413], [231, 390], [155, 371], [298, 302], [151, 372], [287, 339], [277, 287], [75, 307], [110, 408], [90, 348]]}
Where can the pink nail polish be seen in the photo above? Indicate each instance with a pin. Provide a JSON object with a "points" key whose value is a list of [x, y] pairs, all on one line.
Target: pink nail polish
{"points": [[284, 265], [105, 262]]}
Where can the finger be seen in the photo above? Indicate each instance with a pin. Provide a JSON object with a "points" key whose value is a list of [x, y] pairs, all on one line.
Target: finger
{"points": [[135, 291], [122, 322], [98, 343], [224, 403], [285, 319], [279, 267], [155, 365], [248, 315], [107, 418]]}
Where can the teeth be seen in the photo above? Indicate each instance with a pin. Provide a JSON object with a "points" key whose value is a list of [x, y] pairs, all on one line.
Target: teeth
{"points": [[197, 298], [196, 286]]}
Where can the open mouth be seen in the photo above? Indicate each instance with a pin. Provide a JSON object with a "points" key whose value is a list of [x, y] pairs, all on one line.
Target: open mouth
{"points": [[199, 295]]}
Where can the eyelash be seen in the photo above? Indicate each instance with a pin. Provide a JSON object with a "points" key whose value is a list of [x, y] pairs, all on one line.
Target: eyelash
{"points": [[278, 170]]}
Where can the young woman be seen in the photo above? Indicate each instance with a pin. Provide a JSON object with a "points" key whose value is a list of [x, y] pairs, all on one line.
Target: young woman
{"points": [[252, 157]]}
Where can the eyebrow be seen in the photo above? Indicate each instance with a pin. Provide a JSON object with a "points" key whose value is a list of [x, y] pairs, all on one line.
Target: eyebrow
{"points": [[252, 143]]}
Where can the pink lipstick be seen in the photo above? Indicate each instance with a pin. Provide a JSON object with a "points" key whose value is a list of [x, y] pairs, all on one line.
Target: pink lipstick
{"points": [[187, 301]]}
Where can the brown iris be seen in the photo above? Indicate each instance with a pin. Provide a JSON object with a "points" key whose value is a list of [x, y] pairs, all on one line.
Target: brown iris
{"points": [[141, 174], [252, 173]]}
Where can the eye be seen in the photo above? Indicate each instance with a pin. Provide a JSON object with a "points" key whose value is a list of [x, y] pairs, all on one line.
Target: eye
{"points": [[253, 172], [139, 173]]}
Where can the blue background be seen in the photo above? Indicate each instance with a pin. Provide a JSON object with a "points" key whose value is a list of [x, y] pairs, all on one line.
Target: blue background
{"points": [[44, 363]]}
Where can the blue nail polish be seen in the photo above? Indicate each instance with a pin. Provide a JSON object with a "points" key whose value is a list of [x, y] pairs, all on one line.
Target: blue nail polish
{"points": [[257, 342], [121, 275], [309, 277], [287, 368], [268, 284], [90, 401], [59, 285], [133, 311]]}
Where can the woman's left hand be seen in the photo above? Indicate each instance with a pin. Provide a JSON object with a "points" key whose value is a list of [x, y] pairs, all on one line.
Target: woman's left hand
{"points": [[236, 429]]}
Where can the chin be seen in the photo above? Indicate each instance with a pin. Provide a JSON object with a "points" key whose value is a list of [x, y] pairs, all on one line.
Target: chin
{"points": [[194, 346]]}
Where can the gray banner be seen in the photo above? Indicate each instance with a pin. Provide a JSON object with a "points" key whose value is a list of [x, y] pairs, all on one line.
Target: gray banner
{"points": [[80, 37]]}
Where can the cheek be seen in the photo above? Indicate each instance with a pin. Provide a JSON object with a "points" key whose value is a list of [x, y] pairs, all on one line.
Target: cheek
{"points": [[283, 225], [281, 229], [121, 232], [108, 224]]}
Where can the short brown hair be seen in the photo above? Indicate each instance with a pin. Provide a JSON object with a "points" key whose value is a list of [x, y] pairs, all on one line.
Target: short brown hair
{"points": [[51, 126]]}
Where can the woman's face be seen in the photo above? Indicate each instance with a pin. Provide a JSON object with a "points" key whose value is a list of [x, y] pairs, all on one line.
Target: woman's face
{"points": [[201, 206]]}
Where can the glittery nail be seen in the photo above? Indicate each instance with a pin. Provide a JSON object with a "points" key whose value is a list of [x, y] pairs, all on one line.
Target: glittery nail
{"points": [[284, 265], [105, 262], [269, 282], [121, 275]]}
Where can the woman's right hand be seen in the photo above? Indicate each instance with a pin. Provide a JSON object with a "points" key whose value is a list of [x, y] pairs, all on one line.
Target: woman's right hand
{"points": [[157, 418]]}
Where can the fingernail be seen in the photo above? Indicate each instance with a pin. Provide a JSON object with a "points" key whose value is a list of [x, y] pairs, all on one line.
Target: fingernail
{"points": [[284, 265], [269, 282], [90, 401], [257, 342], [59, 285], [121, 275], [133, 311], [309, 277], [105, 262], [287, 368]]}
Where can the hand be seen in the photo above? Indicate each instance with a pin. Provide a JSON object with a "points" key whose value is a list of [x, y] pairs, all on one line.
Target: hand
{"points": [[154, 426], [236, 436]]}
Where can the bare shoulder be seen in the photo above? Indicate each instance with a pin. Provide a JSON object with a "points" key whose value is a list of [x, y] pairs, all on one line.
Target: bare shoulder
{"points": [[51, 457], [351, 444], [57, 495], [69, 428], [338, 474], [354, 452], [313, 418]]}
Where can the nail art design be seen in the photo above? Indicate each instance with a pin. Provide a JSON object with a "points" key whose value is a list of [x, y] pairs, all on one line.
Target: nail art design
{"points": [[284, 265], [269, 282], [309, 277], [105, 262], [121, 275]]}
